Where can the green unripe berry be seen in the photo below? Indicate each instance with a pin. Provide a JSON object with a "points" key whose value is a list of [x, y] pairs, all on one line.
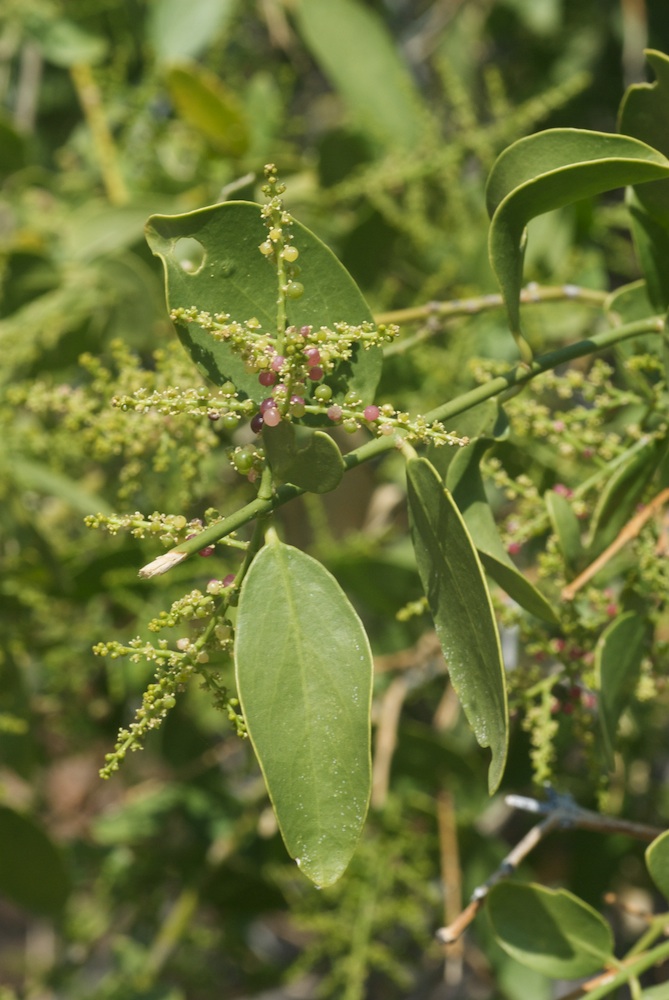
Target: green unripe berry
{"points": [[243, 460], [323, 393], [266, 248], [228, 388], [229, 421], [294, 289], [290, 254]]}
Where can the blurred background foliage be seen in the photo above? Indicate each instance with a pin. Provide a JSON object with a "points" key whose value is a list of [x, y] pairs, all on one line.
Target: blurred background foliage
{"points": [[170, 881]]}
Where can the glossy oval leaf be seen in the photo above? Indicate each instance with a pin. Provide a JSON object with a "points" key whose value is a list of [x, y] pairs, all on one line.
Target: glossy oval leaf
{"points": [[618, 656], [567, 528], [546, 171], [223, 271], [306, 458], [304, 677], [357, 54], [618, 500], [465, 482], [551, 931], [657, 861], [458, 598], [644, 114], [203, 101], [32, 869]]}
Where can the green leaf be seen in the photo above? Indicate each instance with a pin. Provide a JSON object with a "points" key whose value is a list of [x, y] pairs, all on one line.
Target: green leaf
{"points": [[567, 527], [546, 171], [65, 44], [657, 861], [308, 459], [357, 54], [205, 103], [651, 241], [223, 271], [644, 114], [304, 678], [178, 30], [32, 870], [465, 483], [622, 492], [618, 656], [549, 930], [457, 594]]}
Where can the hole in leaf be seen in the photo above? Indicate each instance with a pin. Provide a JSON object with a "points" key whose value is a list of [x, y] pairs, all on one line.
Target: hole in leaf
{"points": [[189, 254]]}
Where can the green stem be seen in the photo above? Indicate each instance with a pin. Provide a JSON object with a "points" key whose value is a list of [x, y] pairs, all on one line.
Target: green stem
{"points": [[631, 970], [517, 376]]}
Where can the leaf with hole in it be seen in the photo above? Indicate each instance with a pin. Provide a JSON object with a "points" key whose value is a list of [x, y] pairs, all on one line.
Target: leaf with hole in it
{"points": [[546, 171], [465, 482], [306, 458], [304, 678], [207, 105], [356, 52], [618, 656], [211, 260], [458, 598], [549, 930], [657, 862], [32, 870], [567, 528], [618, 500]]}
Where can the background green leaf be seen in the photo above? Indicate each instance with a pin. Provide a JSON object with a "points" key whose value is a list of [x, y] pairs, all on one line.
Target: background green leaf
{"points": [[203, 101], [178, 31], [644, 114], [657, 860], [566, 526], [549, 930], [304, 676], [232, 276], [549, 170], [459, 601], [355, 51], [618, 656], [622, 492], [32, 870]]}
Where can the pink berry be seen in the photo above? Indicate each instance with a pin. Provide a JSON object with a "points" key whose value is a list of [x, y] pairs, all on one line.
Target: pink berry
{"points": [[513, 548], [272, 417], [208, 551], [267, 404], [277, 362], [316, 373], [305, 330], [313, 355], [563, 490], [371, 413], [612, 610], [228, 580], [256, 423], [267, 378], [335, 413], [559, 426]]}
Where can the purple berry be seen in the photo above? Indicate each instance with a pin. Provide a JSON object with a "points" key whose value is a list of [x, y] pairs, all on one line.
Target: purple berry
{"points": [[256, 423], [267, 404], [208, 551], [267, 378], [316, 373], [228, 580]]}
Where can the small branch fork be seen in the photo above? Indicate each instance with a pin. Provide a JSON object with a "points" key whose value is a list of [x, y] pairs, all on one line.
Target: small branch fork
{"points": [[560, 812]]}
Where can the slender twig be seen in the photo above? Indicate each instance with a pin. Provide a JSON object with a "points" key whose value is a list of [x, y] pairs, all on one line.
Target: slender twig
{"points": [[92, 105], [532, 294], [628, 533], [560, 811], [516, 377]]}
